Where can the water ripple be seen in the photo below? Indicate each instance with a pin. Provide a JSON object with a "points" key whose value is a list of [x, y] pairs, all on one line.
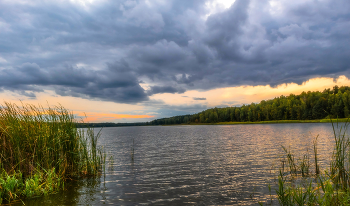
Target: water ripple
{"points": [[192, 165]]}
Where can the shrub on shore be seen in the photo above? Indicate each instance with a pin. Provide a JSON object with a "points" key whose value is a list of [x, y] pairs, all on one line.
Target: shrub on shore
{"points": [[41, 148]]}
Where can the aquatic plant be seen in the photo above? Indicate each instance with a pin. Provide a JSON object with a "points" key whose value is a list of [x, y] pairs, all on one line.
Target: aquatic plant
{"points": [[317, 168], [132, 151], [339, 168], [332, 187], [43, 147]]}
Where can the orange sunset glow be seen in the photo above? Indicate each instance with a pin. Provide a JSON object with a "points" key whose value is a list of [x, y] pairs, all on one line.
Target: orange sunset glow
{"points": [[105, 117], [104, 111]]}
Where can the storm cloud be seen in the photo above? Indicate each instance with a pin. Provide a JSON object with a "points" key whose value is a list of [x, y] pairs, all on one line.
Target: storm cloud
{"points": [[106, 50], [165, 89]]}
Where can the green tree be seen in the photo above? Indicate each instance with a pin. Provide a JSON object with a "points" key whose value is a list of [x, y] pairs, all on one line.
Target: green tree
{"points": [[202, 118]]}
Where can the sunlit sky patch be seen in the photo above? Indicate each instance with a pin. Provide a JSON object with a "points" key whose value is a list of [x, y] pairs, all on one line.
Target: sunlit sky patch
{"points": [[138, 60]]}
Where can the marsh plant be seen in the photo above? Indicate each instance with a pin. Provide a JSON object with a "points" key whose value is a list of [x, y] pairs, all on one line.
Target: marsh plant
{"points": [[300, 186], [41, 148], [132, 150]]}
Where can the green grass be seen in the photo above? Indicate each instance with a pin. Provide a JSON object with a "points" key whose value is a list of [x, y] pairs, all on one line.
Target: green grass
{"points": [[41, 148], [299, 186]]}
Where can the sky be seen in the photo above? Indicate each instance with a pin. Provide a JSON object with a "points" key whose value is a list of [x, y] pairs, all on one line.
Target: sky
{"points": [[135, 61]]}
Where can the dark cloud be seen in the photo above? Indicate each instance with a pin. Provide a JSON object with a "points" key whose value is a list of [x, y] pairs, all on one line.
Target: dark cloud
{"points": [[224, 29], [31, 95], [104, 50], [199, 98], [117, 83], [165, 89]]}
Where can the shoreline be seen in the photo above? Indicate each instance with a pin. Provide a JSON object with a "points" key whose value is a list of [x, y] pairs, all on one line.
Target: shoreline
{"points": [[266, 122]]}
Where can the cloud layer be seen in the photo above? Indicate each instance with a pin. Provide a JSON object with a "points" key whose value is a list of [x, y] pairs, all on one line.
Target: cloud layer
{"points": [[106, 50]]}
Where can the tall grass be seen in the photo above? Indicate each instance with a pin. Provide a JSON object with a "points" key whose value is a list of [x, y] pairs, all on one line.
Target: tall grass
{"points": [[340, 166], [36, 140], [331, 187]]}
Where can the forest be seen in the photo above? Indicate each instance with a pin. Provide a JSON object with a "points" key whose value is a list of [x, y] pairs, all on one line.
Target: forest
{"points": [[334, 103]]}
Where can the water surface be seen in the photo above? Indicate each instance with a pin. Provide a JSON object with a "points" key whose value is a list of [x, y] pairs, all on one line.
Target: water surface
{"points": [[192, 165]]}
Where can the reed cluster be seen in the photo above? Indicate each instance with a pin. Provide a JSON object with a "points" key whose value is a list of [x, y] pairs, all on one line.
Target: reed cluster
{"points": [[41, 148], [298, 184]]}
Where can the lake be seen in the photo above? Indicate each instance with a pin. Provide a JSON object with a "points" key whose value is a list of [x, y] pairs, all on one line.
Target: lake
{"points": [[192, 165]]}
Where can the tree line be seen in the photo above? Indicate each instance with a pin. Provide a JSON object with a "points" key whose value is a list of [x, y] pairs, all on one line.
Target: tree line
{"points": [[309, 105]]}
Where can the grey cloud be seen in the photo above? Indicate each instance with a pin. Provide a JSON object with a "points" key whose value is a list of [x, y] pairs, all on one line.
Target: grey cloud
{"points": [[160, 53], [224, 28], [199, 98], [104, 49], [202, 52], [117, 83], [160, 60], [31, 95], [165, 89], [147, 18], [132, 94]]}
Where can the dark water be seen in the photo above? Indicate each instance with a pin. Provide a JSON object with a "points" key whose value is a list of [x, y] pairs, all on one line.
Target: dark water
{"points": [[192, 165]]}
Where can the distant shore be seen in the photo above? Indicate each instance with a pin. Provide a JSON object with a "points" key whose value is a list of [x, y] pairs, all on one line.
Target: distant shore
{"points": [[268, 122], [98, 125]]}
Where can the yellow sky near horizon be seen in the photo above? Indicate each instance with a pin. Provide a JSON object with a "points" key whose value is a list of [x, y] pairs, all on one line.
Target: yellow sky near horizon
{"points": [[104, 111], [247, 94], [108, 117]]}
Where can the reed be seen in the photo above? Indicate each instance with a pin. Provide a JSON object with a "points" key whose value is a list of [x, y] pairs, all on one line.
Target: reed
{"points": [[332, 187], [305, 165], [317, 168], [339, 168], [291, 161], [283, 192], [132, 151], [43, 142]]}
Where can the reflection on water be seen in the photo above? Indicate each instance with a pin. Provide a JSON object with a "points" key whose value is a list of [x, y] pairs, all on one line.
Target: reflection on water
{"points": [[191, 165]]}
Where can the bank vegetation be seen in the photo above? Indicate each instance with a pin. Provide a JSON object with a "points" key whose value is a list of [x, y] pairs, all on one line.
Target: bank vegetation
{"points": [[41, 148]]}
